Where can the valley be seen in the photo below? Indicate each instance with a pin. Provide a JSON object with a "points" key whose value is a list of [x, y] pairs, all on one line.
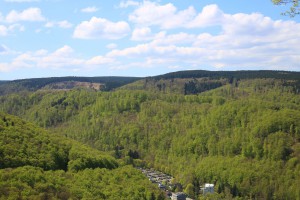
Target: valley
{"points": [[237, 130]]}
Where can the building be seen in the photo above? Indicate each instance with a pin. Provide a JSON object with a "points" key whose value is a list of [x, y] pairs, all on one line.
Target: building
{"points": [[208, 188], [178, 196], [161, 186]]}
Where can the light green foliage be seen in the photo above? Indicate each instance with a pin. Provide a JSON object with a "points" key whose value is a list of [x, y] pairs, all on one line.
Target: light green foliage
{"points": [[244, 137], [23, 143], [35, 164], [82, 157], [34, 183], [294, 6], [190, 190]]}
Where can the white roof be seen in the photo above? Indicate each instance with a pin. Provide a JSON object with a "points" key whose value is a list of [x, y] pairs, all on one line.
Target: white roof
{"points": [[209, 185]]}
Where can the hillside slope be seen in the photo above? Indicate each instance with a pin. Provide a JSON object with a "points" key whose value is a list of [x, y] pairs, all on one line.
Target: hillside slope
{"points": [[106, 83], [197, 81], [243, 136], [37, 165]]}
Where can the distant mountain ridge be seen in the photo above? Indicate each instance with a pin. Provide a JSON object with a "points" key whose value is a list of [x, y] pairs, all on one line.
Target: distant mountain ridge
{"points": [[197, 81], [188, 82], [108, 83], [237, 130], [244, 74]]}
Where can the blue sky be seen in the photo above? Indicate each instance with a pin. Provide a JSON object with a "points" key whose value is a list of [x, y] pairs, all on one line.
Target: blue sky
{"points": [[50, 38]]}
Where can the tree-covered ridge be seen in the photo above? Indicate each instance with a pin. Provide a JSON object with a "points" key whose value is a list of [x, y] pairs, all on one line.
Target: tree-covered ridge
{"points": [[35, 183], [284, 75], [25, 144], [37, 165], [47, 108], [108, 83], [255, 122], [197, 81], [177, 85]]}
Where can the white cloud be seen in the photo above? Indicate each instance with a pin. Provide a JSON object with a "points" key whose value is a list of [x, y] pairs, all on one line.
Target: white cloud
{"points": [[3, 30], [166, 16], [30, 14], [141, 34], [245, 40], [89, 9], [243, 24], [141, 49], [63, 58], [211, 15], [99, 60], [126, 4], [99, 28], [62, 24], [111, 46], [175, 39], [49, 24]]}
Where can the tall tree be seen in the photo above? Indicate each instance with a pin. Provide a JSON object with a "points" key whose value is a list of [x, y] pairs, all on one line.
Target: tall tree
{"points": [[294, 9]]}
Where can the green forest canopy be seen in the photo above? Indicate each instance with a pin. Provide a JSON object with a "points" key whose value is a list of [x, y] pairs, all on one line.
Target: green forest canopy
{"points": [[35, 164], [243, 135]]}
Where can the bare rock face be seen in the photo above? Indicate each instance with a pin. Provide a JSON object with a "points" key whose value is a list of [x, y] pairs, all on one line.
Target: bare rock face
{"points": [[67, 85]]}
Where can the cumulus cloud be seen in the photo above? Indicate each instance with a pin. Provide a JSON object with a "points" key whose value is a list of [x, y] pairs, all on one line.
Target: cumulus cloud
{"points": [[16, 27], [99, 60], [141, 34], [126, 4], [64, 58], [61, 58], [100, 28], [166, 16], [89, 9], [242, 41], [49, 24], [179, 39], [5, 30], [245, 40], [30, 14], [210, 15], [241, 24]]}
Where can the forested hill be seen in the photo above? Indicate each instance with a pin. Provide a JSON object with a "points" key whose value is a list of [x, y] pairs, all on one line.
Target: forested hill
{"points": [[108, 83], [241, 134], [35, 164], [197, 81], [284, 75]]}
